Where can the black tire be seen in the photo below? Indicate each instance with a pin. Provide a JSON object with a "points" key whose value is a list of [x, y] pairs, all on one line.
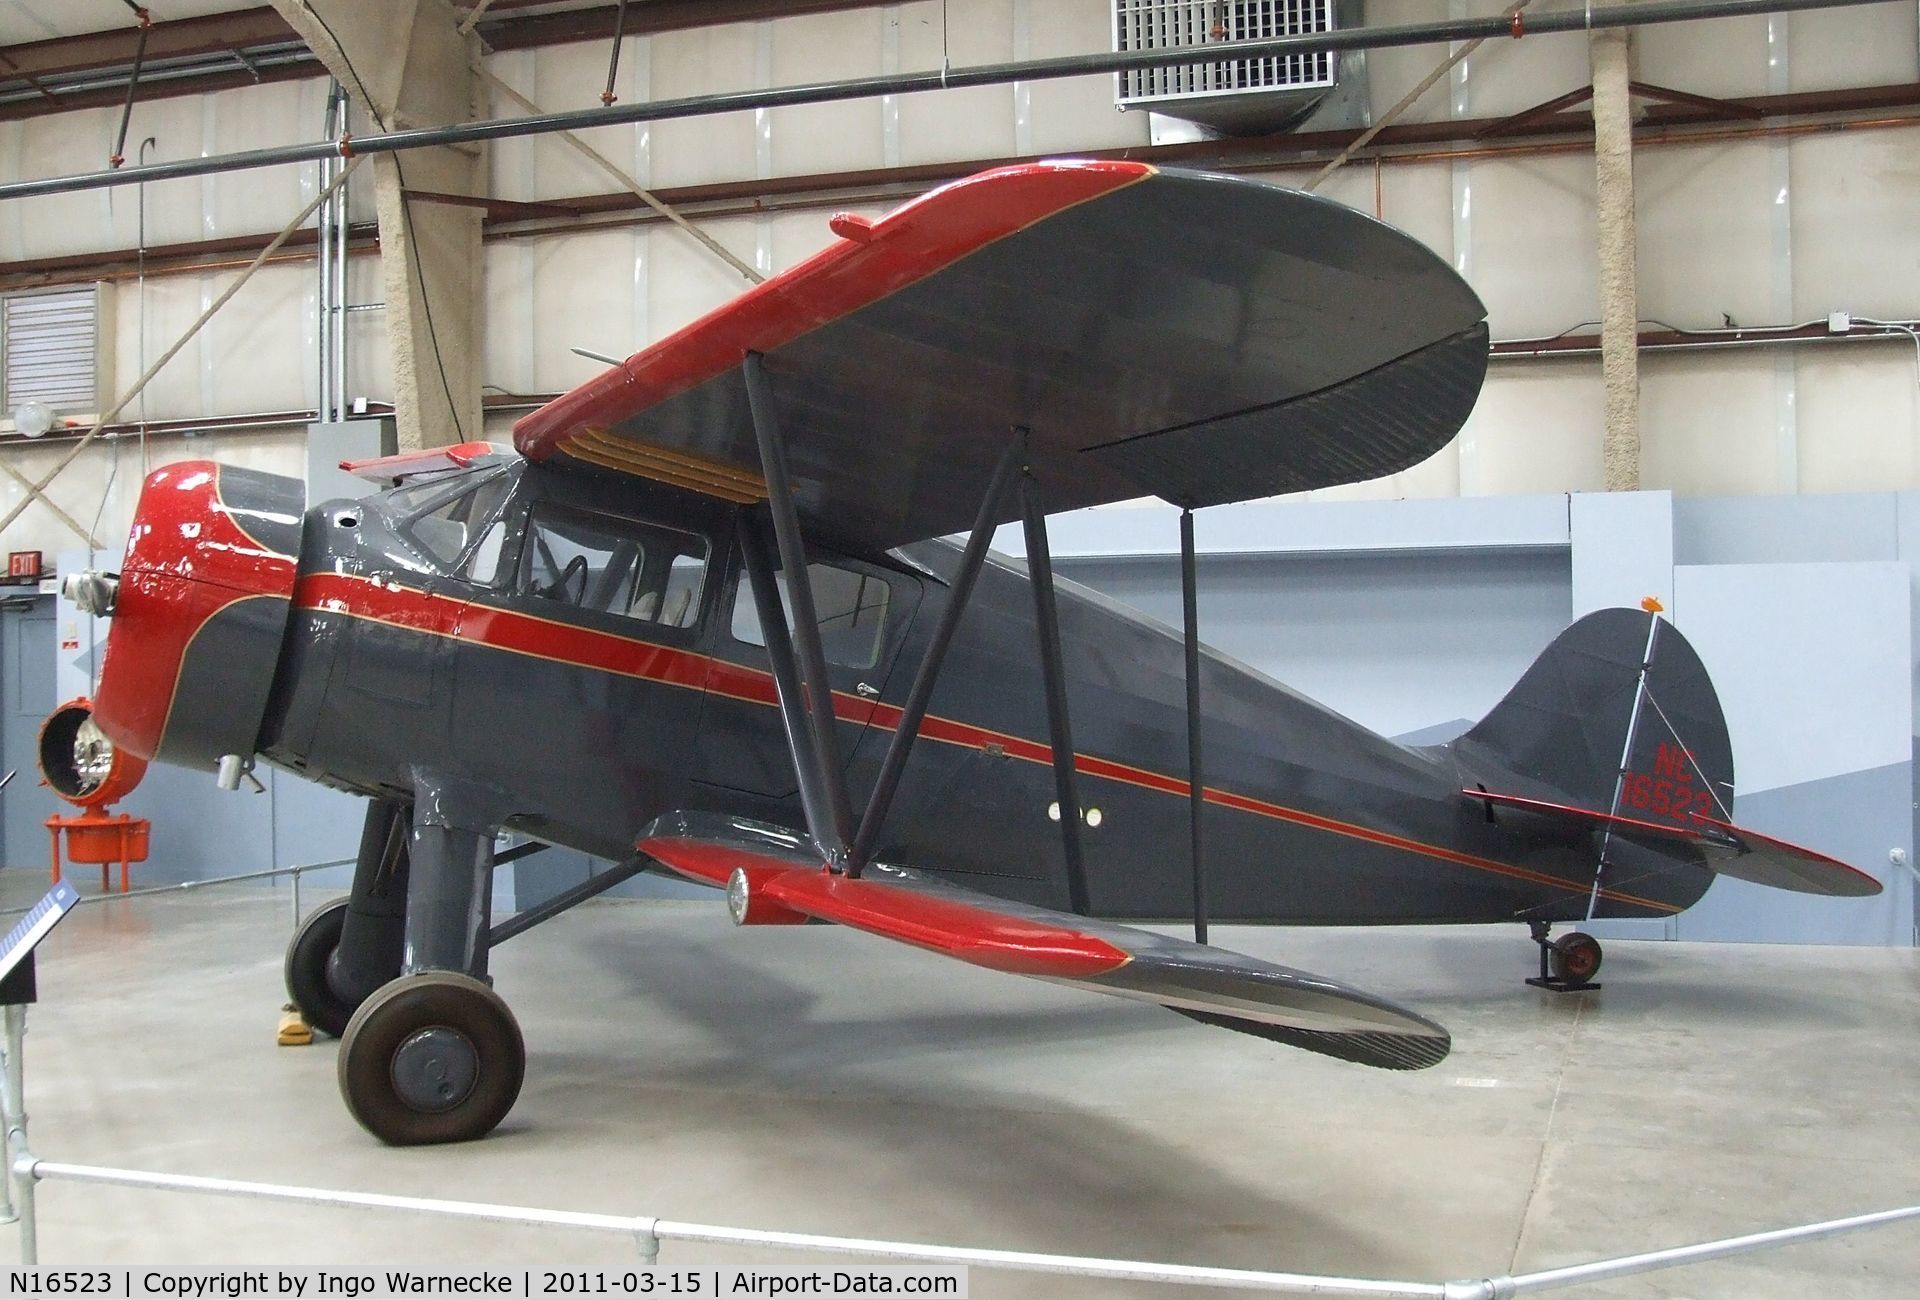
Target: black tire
{"points": [[306, 969], [470, 1021], [1576, 957]]}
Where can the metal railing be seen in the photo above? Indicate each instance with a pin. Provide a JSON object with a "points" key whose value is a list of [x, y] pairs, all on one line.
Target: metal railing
{"points": [[183, 886], [647, 1232]]}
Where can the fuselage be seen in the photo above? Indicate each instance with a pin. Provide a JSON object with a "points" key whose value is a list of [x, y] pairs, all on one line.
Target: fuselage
{"points": [[572, 657]]}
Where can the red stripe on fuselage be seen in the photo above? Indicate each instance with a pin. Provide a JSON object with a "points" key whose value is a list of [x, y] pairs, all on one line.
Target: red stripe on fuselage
{"points": [[569, 643]]}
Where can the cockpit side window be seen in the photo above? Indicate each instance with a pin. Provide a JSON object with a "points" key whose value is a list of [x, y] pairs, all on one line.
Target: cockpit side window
{"points": [[609, 565], [851, 607], [448, 520]]}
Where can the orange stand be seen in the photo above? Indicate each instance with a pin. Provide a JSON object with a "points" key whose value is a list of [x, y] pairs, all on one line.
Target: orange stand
{"points": [[100, 837]]}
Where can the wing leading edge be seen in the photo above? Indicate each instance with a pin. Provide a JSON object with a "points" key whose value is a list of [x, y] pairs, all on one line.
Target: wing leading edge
{"points": [[1158, 333], [770, 877]]}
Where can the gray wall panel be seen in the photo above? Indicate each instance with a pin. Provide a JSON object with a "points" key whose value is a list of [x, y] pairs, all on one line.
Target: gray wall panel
{"points": [[1857, 818], [26, 665], [1622, 549], [1784, 529], [1396, 642]]}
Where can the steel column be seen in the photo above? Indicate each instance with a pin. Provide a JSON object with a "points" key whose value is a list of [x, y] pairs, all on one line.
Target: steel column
{"points": [[805, 626], [921, 694], [814, 800], [1053, 669], [993, 74], [1196, 773], [337, 298]]}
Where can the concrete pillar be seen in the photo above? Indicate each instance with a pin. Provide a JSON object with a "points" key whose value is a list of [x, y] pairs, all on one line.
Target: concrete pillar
{"points": [[405, 64], [1619, 294]]}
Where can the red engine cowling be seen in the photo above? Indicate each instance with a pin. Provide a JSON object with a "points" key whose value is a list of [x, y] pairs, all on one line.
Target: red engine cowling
{"points": [[200, 613]]}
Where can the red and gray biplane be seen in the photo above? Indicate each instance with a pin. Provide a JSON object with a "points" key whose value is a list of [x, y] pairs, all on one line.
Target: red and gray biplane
{"points": [[703, 622]]}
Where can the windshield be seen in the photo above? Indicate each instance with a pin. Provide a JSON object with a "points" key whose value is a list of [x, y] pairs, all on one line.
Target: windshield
{"points": [[443, 518]]}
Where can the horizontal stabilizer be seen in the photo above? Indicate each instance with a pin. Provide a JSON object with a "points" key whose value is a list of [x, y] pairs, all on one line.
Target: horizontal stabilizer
{"points": [[770, 874], [1728, 849]]}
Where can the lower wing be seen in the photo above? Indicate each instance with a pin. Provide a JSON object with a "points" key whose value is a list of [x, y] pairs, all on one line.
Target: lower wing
{"points": [[772, 878]]}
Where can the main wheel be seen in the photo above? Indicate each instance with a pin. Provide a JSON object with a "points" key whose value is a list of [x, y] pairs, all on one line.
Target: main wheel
{"points": [[1576, 957], [435, 1057], [308, 957]]}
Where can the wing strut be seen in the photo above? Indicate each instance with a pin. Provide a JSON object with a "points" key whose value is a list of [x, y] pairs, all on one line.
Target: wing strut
{"points": [[918, 698], [1196, 775], [1059, 724], [823, 786]]}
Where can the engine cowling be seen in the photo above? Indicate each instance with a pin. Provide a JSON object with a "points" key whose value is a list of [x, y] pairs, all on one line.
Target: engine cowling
{"points": [[200, 613]]}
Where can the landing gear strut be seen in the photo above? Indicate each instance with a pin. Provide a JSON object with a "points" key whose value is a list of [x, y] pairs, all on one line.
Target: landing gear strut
{"points": [[435, 1055], [350, 947], [1567, 964]]}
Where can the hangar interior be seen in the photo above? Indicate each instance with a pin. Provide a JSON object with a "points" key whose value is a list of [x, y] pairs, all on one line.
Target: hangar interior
{"points": [[1694, 241]]}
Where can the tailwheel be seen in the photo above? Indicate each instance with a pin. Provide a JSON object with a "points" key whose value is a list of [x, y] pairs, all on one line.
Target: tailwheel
{"points": [[1576, 958], [308, 958], [434, 1057], [1567, 964]]}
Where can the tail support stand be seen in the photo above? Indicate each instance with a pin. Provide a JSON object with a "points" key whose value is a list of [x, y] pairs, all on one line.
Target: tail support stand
{"points": [[1553, 975]]}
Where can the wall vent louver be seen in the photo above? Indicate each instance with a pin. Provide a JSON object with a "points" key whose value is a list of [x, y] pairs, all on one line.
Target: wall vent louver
{"points": [[50, 350], [1169, 24]]}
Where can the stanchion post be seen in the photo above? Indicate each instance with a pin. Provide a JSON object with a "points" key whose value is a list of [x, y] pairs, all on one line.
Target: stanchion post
{"points": [[19, 1164], [7, 1103], [296, 898]]}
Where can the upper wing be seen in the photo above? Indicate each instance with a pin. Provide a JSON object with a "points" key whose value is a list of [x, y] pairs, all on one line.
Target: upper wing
{"points": [[770, 877], [1196, 337], [1728, 849]]}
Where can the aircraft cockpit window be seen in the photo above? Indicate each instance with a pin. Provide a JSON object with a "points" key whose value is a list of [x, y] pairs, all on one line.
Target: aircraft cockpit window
{"points": [[614, 566], [852, 608], [445, 516]]}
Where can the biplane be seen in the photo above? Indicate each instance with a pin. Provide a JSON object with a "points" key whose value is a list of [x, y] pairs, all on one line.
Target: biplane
{"points": [[708, 619]]}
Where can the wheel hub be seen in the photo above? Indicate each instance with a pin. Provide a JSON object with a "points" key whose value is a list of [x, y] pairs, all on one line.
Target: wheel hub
{"points": [[435, 1069]]}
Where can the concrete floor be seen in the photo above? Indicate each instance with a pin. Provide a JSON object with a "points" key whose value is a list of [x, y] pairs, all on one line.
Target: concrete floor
{"points": [[815, 1079]]}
